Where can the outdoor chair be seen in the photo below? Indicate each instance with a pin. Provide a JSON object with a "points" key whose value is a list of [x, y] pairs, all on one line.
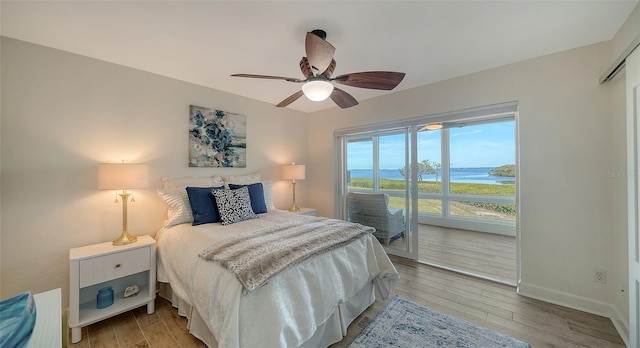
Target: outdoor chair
{"points": [[372, 209]]}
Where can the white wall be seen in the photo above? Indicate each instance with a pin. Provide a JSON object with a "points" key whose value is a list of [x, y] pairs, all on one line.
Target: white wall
{"points": [[566, 136], [62, 114]]}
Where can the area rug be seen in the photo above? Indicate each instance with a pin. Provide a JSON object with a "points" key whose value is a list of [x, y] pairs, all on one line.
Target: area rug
{"points": [[403, 323]]}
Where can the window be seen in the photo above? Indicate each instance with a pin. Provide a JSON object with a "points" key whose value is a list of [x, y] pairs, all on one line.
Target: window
{"points": [[478, 171]]}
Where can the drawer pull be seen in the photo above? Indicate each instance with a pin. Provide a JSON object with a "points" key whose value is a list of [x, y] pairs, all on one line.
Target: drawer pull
{"points": [[117, 265]]}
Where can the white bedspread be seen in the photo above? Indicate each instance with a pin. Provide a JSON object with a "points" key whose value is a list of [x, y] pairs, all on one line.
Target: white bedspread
{"points": [[287, 310]]}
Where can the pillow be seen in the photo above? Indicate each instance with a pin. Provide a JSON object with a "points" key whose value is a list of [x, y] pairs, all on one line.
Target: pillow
{"points": [[268, 194], [203, 205], [177, 201], [192, 181], [234, 205], [242, 179], [256, 194]]}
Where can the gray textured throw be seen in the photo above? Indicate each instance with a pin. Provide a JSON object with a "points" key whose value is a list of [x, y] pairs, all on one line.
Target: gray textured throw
{"points": [[256, 256]]}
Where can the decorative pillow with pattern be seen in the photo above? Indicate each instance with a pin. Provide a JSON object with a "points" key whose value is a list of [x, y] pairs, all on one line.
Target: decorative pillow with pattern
{"points": [[256, 194], [234, 205]]}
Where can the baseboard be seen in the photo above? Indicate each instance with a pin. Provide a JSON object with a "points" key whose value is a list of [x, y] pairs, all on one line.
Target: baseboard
{"points": [[622, 325], [577, 302], [566, 299]]}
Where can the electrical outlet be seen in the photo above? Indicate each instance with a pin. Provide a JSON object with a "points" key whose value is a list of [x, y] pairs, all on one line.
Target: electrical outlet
{"points": [[601, 276]]}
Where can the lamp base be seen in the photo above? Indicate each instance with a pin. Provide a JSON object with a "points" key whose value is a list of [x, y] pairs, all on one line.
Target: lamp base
{"points": [[294, 209], [125, 238]]}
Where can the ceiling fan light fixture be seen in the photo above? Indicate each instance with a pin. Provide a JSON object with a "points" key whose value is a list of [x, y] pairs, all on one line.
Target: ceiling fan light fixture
{"points": [[317, 90]]}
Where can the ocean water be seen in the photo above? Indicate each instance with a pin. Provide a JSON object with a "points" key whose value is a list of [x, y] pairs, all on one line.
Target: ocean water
{"points": [[468, 175]]}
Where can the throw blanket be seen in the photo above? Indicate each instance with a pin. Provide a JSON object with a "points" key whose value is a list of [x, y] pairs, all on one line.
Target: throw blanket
{"points": [[256, 256]]}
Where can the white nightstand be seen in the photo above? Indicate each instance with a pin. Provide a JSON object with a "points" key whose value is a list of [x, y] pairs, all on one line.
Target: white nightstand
{"points": [[100, 265], [307, 211]]}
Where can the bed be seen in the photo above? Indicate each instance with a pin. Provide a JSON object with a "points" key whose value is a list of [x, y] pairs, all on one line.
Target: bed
{"points": [[308, 304]]}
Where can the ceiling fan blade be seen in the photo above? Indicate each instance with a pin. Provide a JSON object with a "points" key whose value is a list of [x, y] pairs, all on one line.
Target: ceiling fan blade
{"points": [[305, 67], [386, 80], [343, 99], [290, 79], [319, 52], [330, 69], [290, 99]]}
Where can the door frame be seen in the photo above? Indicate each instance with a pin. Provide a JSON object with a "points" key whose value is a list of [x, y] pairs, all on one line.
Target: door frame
{"points": [[633, 184]]}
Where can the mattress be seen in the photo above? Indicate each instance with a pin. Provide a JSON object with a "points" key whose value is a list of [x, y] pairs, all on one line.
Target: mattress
{"points": [[287, 311]]}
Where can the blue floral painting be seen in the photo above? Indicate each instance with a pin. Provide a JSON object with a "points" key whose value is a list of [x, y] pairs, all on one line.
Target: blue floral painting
{"points": [[217, 138]]}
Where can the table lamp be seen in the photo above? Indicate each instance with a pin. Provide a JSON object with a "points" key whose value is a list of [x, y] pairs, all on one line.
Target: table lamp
{"points": [[293, 172], [123, 176]]}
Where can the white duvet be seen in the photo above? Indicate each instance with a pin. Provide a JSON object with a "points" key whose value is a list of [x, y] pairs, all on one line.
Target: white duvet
{"points": [[287, 310]]}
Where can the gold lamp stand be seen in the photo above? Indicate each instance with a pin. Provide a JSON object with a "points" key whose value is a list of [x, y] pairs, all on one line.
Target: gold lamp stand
{"points": [[293, 206], [293, 172], [123, 176], [125, 237]]}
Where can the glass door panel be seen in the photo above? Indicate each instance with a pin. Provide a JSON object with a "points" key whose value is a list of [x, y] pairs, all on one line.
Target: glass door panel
{"points": [[360, 164], [430, 174], [395, 178], [377, 163]]}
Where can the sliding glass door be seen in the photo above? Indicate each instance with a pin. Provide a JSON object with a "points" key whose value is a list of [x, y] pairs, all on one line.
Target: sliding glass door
{"points": [[377, 164], [455, 170]]}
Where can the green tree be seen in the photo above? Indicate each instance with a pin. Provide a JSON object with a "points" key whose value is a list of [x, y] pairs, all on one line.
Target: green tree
{"points": [[424, 167], [507, 170]]}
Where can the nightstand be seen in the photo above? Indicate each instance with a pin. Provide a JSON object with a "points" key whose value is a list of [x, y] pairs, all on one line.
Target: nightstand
{"points": [[100, 265], [307, 211]]}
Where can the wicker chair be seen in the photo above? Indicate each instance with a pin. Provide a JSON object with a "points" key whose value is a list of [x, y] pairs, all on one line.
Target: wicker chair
{"points": [[372, 209]]}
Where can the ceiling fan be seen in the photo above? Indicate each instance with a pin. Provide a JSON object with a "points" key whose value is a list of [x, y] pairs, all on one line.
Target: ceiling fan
{"points": [[317, 68]]}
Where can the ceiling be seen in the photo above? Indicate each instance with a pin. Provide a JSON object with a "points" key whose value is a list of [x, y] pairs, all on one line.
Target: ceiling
{"points": [[203, 42]]}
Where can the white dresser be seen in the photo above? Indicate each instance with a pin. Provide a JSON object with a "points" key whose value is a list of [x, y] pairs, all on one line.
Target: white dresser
{"points": [[100, 265]]}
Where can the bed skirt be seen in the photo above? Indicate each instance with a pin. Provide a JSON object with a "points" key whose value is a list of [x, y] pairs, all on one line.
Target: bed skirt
{"points": [[331, 331]]}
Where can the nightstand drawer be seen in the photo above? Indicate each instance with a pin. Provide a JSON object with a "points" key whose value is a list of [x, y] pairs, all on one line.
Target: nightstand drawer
{"points": [[107, 267]]}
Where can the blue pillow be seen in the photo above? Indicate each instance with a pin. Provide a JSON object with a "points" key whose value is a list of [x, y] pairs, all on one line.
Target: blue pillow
{"points": [[256, 194], [203, 205]]}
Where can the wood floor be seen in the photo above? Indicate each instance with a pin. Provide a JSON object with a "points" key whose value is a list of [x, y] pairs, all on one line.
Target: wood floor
{"points": [[484, 303], [485, 254]]}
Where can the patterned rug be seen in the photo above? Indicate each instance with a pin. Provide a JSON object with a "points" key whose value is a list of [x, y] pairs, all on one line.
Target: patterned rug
{"points": [[403, 323]]}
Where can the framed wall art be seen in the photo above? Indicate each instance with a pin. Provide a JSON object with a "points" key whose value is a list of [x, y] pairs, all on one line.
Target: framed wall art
{"points": [[217, 138]]}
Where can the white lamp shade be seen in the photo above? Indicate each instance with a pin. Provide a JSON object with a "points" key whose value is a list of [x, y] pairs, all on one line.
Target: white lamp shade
{"points": [[293, 172], [317, 90], [120, 176]]}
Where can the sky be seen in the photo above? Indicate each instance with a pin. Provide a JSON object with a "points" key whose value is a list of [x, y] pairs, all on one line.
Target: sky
{"points": [[488, 145]]}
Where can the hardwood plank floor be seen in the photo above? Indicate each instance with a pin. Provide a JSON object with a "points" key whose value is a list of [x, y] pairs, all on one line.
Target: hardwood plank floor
{"points": [[484, 303], [488, 255]]}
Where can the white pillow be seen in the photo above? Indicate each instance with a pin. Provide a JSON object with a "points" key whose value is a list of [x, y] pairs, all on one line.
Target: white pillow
{"points": [[177, 201], [267, 187], [241, 179], [192, 181]]}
